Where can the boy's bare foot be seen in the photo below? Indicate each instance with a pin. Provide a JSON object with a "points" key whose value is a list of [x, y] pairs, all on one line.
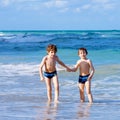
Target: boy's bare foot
{"points": [[56, 101]]}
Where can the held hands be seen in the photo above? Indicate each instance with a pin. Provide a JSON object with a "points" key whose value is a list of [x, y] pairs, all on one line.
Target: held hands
{"points": [[69, 69]]}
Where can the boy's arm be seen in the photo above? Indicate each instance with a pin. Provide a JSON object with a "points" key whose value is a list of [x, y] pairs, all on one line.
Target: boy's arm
{"points": [[76, 66], [62, 64], [40, 68], [92, 69]]}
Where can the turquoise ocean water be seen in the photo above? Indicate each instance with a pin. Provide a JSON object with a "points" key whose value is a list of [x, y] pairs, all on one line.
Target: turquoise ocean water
{"points": [[23, 96]]}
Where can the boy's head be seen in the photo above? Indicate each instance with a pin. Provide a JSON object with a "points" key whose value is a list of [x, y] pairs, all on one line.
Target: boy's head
{"points": [[51, 47], [82, 49]]}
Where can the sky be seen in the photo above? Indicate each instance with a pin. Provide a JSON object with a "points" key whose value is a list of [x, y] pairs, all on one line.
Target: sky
{"points": [[59, 14]]}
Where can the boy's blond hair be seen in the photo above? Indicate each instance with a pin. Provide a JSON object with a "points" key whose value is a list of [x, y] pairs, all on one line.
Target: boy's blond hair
{"points": [[51, 47]]}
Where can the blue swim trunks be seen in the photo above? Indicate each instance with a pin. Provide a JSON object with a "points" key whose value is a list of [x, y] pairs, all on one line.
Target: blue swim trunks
{"points": [[50, 75], [83, 79]]}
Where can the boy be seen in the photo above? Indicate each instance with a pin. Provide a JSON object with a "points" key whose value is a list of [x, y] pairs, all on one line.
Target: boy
{"points": [[50, 73], [86, 72]]}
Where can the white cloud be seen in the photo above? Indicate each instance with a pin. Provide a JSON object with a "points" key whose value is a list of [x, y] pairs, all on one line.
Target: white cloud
{"points": [[109, 6], [60, 5], [77, 9], [64, 10], [56, 3], [4, 3], [100, 1], [87, 6], [104, 4]]}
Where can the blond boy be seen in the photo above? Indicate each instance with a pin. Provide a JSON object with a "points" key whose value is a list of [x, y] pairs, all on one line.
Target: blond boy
{"points": [[50, 73]]}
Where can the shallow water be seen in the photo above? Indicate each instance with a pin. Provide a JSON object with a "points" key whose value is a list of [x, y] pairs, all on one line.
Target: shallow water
{"points": [[23, 96]]}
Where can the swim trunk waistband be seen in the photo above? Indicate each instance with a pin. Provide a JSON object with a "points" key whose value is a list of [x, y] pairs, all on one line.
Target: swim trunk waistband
{"points": [[83, 79], [50, 75]]}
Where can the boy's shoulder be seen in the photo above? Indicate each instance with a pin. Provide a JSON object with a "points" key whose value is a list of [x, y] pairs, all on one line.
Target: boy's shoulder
{"points": [[78, 61], [88, 60], [45, 57], [85, 60]]}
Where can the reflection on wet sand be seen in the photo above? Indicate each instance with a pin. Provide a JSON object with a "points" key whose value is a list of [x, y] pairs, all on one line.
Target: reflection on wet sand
{"points": [[48, 112], [83, 110]]}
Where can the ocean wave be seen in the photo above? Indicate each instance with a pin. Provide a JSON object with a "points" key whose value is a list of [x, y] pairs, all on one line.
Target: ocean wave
{"points": [[18, 69], [42, 37], [22, 69], [1, 34], [28, 41]]}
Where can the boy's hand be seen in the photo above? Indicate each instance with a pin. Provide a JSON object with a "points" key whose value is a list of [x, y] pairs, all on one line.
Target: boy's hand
{"points": [[69, 70], [42, 79], [89, 78]]}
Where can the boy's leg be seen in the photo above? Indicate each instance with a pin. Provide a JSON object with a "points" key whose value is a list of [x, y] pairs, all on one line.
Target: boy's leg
{"points": [[88, 90], [81, 89], [56, 88], [49, 88]]}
